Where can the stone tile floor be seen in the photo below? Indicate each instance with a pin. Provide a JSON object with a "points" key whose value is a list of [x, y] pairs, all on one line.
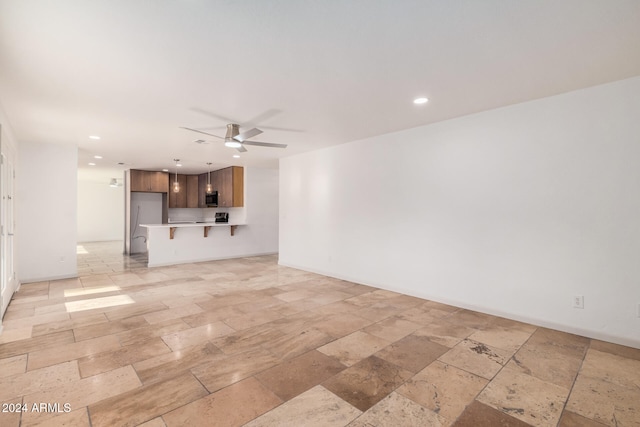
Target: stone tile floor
{"points": [[248, 342]]}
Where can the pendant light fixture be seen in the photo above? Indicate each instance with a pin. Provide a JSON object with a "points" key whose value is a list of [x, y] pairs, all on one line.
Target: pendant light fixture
{"points": [[209, 186], [176, 184]]}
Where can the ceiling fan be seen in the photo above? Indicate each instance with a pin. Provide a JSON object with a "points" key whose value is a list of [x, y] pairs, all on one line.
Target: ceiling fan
{"points": [[237, 140]]}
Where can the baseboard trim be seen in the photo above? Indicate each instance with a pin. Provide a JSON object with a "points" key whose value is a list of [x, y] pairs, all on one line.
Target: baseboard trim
{"points": [[533, 321]]}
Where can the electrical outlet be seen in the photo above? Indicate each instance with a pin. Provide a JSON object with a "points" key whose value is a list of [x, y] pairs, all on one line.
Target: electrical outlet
{"points": [[578, 301]]}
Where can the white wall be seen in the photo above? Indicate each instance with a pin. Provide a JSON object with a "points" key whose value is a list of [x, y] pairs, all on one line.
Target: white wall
{"points": [[511, 211], [46, 206], [100, 207]]}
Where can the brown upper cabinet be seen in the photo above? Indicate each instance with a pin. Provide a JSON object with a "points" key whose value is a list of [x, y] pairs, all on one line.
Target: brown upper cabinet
{"points": [[202, 189], [149, 181], [229, 182], [187, 197], [192, 191], [179, 199]]}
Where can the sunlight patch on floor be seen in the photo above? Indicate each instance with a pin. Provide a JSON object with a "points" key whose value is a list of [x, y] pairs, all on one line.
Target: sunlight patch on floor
{"points": [[89, 291], [91, 304]]}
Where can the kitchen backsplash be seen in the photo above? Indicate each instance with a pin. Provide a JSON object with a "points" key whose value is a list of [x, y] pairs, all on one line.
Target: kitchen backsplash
{"points": [[205, 214]]}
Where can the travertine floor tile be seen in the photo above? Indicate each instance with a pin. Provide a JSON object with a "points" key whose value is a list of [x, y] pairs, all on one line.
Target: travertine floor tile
{"points": [[444, 389], [295, 376], [477, 358], [171, 364], [134, 310], [58, 354], [84, 392], [501, 337], [366, 383], [471, 319], [378, 311], [247, 320], [107, 328], [525, 397], [444, 333], [156, 422], [392, 328], [106, 361], [38, 380], [618, 350], [173, 313], [545, 365], [570, 419], [297, 343], [65, 325], [248, 339], [340, 324], [34, 320], [422, 316], [412, 352], [607, 396], [224, 370], [147, 402], [11, 417], [232, 406], [354, 347], [77, 418], [16, 334], [145, 333], [612, 368], [193, 336], [479, 415], [560, 343], [13, 365], [317, 407], [285, 316], [396, 410]]}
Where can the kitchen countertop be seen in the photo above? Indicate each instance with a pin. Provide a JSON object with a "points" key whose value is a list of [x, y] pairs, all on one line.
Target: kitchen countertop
{"points": [[192, 224]]}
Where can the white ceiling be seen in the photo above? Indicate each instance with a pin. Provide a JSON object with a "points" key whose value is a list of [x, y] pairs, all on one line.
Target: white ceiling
{"points": [[310, 74]]}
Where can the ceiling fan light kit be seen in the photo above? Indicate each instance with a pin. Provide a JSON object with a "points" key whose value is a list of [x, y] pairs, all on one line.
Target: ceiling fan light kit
{"points": [[236, 139]]}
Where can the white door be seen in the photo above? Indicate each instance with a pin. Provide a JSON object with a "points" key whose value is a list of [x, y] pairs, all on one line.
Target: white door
{"points": [[7, 274]]}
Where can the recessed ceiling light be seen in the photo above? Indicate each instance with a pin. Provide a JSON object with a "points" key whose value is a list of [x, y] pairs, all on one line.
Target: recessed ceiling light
{"points": [[421, 100], [94, 137], [97, 157], [178, 165], [236, 156], [165, 170], [92, 164]]}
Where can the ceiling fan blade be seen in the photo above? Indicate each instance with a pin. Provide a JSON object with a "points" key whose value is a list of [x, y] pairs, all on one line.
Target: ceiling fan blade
{"points": [[199, 131], [241, 137], [241, 149], [214, 115], [264, 144]]}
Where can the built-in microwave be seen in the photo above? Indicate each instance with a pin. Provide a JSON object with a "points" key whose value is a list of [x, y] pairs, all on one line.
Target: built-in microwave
{"points": [[211, 199]]}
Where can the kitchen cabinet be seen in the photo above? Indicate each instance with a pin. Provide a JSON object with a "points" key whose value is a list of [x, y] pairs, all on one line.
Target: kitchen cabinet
{"points": [[229, 182], [149, 181], [187, 197], [179, 199], [202, 190], [192, 191]]}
